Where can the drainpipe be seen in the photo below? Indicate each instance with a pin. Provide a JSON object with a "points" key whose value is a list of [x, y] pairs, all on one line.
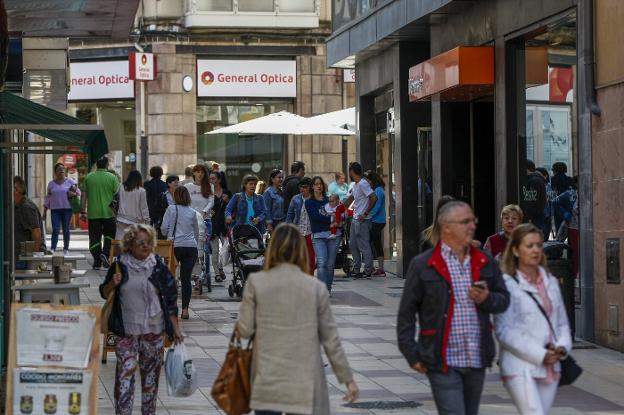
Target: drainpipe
{"points": [[587, 56], [588, 107]]}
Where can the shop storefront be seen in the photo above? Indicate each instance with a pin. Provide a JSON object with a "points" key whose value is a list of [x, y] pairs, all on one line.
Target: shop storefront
{"points": [[234, 91], [476, 142], [101, 93]]}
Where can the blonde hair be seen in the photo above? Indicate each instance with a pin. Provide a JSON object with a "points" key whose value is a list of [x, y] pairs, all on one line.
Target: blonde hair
{"points": [[286, 246], [131, 234], [432, 233], [509, 209], [509, 261]]}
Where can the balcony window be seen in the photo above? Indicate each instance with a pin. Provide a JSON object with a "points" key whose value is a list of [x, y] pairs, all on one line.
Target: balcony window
{"points": [[253, 13], [296, 6], [256, 5], [215, 5]]}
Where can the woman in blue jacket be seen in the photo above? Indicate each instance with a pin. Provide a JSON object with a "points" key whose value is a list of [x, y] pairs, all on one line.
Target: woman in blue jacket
{"points": [[325, 248], [274, 200], [247, 207], [378, 220]]}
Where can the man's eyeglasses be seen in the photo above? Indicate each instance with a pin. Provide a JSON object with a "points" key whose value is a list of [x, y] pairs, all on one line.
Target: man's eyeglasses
{"points": [[465, 222]]}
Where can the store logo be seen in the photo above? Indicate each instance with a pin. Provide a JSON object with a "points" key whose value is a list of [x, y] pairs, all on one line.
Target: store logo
{"points": [[415, 85], [143, 59], [207, 78]]}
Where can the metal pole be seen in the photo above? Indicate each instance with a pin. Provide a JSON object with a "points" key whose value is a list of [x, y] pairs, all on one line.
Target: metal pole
{"points": [[143, 138], [345, 156]]}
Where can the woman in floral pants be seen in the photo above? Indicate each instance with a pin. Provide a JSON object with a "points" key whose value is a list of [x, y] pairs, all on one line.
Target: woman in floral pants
{"points": [[144, 310]]}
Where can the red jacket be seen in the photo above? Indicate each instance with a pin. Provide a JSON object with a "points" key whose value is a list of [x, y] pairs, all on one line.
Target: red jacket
{"points": [[428, 296]]}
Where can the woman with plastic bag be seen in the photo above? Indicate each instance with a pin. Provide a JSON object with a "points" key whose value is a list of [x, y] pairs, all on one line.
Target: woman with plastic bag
{"points": [[219, 231], [289, 314], [144, 310]]}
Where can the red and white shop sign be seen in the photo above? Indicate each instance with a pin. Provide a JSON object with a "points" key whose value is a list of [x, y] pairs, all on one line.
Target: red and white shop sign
{"points": [[142, 66], [100, 80], [244, 78]]}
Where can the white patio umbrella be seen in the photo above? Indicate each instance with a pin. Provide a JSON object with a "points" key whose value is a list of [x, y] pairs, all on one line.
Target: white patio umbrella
{"points": [[283, 122], [344, 118]]}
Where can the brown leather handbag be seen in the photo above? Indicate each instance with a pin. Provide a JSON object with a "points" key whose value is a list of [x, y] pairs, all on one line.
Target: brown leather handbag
{"points": [[232, 388]]}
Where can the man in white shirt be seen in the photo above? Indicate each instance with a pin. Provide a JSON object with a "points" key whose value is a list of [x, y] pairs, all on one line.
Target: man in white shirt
{"points": [[363, 198]]}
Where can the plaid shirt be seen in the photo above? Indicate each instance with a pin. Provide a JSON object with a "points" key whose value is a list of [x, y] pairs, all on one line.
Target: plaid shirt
{"points": [[464, 344]]}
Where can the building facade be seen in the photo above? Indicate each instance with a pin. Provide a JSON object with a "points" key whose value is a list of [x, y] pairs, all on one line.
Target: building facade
{"points": [[219, 63], [465, 94]]}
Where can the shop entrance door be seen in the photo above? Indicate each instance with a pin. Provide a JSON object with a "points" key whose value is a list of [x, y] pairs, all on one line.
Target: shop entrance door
{"points": [[468, 166], [384, 165]]}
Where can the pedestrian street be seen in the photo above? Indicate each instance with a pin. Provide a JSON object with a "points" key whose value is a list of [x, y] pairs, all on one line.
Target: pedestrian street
{"points": [[365, 312]]}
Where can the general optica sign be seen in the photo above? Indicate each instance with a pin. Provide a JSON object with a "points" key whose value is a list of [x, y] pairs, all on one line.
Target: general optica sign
{"points": [[100, 80], [245, 78]]}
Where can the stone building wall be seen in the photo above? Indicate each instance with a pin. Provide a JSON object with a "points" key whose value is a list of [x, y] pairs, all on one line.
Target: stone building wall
{"points": [[608, 199], [171, 121], [171, 112], [320, 90]]}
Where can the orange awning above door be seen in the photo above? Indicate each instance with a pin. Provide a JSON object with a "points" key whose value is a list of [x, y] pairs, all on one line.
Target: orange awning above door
{"points": [[461, 74]]}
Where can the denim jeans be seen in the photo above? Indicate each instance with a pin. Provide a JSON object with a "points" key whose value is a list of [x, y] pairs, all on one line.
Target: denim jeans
{"points": [[458, 391], [60, 218], [325, 250]]}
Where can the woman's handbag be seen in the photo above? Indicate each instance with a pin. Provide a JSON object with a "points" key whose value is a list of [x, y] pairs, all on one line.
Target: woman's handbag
{"points": [[232, 388], [107, 308], [570, 370], [74, 201]]}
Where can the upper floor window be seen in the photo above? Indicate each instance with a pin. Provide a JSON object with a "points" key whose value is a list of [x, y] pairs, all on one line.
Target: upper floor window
{"points": [[346, 11], [214, 5], [253, 13], [286, 6]]}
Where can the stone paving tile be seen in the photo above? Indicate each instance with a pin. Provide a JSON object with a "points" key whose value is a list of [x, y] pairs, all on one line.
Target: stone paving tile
{"points": [[366, 318]]}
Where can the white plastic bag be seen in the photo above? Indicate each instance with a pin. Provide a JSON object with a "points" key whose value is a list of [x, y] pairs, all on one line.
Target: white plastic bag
{"points": [[180, 372], [225, 253]]}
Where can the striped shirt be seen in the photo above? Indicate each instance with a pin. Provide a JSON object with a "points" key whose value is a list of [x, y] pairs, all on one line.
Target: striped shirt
{"points": [[464, 344]]}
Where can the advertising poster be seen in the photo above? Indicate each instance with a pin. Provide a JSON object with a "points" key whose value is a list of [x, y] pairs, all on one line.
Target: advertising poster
{"points": [[54, 338], [51, 391]]}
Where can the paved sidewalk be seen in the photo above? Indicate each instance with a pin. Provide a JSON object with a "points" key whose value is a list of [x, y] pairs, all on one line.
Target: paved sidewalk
{"points": [[365, 311]]}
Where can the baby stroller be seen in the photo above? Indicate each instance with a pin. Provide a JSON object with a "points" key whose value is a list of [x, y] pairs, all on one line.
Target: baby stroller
{"points": [[247, 252], [344, 260]]}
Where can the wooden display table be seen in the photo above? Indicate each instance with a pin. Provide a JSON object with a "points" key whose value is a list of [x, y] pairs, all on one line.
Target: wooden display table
{"points": [[68, 294]]}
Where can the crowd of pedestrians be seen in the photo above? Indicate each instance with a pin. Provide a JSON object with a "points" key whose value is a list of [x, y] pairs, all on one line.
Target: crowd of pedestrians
{"points": [[457, 302]]}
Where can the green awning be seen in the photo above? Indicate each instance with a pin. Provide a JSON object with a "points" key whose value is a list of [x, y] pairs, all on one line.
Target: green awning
{"points": [[19, 113]]}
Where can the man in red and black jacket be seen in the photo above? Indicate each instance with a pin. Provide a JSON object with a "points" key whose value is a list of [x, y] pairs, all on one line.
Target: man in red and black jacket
{"points": [[452, 289]]}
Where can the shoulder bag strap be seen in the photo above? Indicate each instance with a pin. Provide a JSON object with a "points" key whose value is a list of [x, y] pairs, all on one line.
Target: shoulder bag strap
{"points": [[541, 309], [175, 223]]}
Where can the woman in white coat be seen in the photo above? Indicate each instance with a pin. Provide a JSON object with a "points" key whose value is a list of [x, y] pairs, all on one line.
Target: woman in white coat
{"points": [[529, 350], [289, 312], [132, 208]]}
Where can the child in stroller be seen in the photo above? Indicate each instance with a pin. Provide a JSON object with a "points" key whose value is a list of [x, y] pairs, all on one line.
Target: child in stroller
{"points": [[247, 252]]}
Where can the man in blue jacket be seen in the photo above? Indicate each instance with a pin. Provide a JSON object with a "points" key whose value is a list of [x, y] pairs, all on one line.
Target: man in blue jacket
{"points": [[452, 288]]}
